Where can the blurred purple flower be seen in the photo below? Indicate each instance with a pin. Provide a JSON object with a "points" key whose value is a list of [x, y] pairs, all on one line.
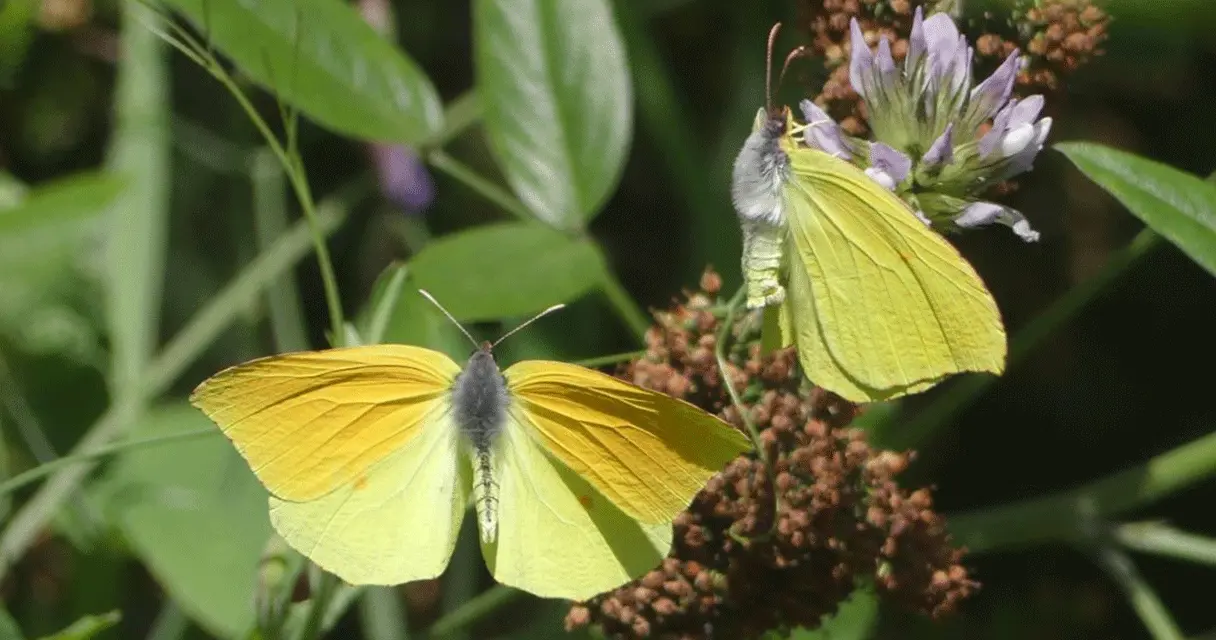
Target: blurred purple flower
{"points": [[926, 119], [404, 179]]}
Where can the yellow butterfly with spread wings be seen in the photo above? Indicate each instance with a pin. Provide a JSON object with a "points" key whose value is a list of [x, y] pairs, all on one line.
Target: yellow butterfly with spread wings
{"points": [[372, 455]]}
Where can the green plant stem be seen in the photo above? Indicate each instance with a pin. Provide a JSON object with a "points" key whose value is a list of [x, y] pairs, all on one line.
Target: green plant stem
{"points": [[904, 434], [614, 358], [626, 308], [473, 610], [724, 334], [178, 353], [441, 161], [1140, 595], [461, 113], [327, 586], [1072, 515], [1161, 539], [294, 168]]}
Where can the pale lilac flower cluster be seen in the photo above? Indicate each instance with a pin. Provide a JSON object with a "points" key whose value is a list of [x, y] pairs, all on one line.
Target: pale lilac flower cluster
{"points": [[926, 119]]}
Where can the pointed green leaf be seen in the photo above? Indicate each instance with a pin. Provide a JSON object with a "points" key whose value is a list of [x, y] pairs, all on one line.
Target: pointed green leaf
{"points": [[321, 57], [195, 515], [510, 269], [557, 101], [1179, 206]]}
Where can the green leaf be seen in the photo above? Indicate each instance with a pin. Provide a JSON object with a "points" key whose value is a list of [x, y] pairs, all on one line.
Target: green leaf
{"points": [[87, 627], [321, 57], [557, 100], [855, 619], [508, 269], [50, 206], [1179, 206], [195, 515], [8, 627], [373, 321], [137, 227], [46, 301]]}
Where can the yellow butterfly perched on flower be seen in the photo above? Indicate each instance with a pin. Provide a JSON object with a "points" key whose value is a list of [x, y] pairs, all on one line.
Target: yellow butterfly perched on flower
{"points": [[373, 454], [877, 304]]}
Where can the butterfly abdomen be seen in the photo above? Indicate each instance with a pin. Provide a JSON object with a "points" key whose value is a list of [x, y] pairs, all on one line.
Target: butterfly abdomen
{"points": [[757, 190], [479, 401]]}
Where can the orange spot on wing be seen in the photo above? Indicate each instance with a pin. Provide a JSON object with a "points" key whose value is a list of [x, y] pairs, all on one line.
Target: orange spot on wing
{"points": [[360, 482], [585, 501]]}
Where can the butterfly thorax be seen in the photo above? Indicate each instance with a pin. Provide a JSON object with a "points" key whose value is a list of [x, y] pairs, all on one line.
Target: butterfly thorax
{"points": [[479, 402], [761, 168]]}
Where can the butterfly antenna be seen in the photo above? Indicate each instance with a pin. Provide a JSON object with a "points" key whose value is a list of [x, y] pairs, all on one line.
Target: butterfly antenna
{"points": [[794, 55], [435, 302], [528, 322], [768, 68]]}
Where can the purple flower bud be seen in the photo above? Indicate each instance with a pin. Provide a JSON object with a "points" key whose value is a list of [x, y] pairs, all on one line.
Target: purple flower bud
{"points": [[822, 132], [942, 150], [888, 167], [404, 179], [916, 41], [978, 214], [988, 96]]}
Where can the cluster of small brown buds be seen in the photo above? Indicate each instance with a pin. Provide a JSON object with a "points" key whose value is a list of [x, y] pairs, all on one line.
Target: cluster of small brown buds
{"points": [[776, 544]]}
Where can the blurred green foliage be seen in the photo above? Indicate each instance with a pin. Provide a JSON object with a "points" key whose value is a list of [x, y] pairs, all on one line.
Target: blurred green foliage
{"points": [[157, 217]]}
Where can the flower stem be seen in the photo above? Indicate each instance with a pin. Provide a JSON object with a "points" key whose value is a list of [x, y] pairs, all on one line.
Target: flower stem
{"points": [[1140, 595], [720, 354], [460, 114], [1070, 515], [460, 172]]}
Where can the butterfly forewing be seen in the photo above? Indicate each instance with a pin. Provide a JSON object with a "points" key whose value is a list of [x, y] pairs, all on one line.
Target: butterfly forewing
{"points": [[645, 451], [314, 421]]}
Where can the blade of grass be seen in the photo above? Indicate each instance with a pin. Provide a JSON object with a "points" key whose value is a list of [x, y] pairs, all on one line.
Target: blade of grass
{"points": [[177, 354], [135, 244], [1161, 539]]}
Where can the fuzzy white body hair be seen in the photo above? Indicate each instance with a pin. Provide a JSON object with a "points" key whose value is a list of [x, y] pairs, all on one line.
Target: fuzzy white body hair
{"points": [[761, 170], [757, 191]]}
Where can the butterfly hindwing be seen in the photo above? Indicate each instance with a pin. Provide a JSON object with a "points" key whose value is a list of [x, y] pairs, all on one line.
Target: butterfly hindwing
{"points": [[557, 536], [881, 305], [396, 523]]}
